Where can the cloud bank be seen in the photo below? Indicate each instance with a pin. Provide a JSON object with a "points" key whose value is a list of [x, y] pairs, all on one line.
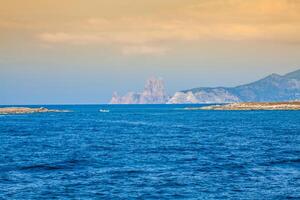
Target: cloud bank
{"points": [[191, 21]]}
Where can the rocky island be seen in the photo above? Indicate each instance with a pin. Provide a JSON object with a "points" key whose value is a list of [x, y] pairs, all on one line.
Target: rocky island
{"points": [[253, 106], [25, 110], [153, 93]]}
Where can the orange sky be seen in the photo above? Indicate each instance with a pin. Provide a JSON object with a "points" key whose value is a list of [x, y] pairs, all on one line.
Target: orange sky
{"points": [[151, 26]]}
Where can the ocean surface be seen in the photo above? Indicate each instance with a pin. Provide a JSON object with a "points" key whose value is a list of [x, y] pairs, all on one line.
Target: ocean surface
{"points": [[150, 152]]}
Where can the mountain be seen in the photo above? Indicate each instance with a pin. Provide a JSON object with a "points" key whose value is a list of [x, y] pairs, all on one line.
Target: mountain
{"points": [[294, 75], [271, 88], [153, 93]]}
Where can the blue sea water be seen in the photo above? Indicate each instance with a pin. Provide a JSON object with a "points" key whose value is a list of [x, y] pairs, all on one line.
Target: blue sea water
{"points": [[150, 152]]}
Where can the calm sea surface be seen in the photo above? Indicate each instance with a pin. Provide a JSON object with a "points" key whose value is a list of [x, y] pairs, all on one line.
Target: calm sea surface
{"points": [[150, 152]]}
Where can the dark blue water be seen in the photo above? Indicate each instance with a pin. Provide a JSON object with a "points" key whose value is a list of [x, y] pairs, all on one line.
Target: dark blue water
{"points": [[150, 152]]}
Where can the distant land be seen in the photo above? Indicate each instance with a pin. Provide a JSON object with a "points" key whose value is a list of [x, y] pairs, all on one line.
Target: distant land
{"points": [[25, 110], [273, 88], [153, 93], [253, 106]]}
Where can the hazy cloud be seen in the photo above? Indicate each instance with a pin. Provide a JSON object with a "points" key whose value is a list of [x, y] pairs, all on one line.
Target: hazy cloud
{"points": [[143, 50], [76, 39], [262, 20]]}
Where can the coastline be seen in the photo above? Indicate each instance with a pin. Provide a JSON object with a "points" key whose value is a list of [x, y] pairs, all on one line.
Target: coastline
{"points": [[253, 106], [27, 110]]}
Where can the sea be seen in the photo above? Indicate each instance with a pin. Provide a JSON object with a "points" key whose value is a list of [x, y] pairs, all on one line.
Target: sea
{"points": [[149, 152]]}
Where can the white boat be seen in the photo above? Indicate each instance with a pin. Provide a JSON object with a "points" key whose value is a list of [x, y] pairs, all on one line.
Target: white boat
{"points": [[103, 110]]}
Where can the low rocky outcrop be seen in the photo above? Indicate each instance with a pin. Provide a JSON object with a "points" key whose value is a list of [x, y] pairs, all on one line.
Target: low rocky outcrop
{"points": [[253, 106], [25, 110]]}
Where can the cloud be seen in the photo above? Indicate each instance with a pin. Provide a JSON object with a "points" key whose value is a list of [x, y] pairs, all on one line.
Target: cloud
{"points": [[69, 38], [144, 50], [230, 20]]}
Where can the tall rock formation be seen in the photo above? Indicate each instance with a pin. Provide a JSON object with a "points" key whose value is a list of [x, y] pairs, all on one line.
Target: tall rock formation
{"points": [[153, 93], [270, 89]]}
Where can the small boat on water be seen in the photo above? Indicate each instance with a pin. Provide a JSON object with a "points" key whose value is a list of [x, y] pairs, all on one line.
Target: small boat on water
{"points": [[103, 110]]}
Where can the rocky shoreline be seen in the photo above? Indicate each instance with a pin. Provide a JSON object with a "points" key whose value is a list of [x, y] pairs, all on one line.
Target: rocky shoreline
{"points": [[25, 110], [253, 106]]}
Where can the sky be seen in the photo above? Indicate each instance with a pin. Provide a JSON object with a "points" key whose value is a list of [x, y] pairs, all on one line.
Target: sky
{"points": [[81, 51]]}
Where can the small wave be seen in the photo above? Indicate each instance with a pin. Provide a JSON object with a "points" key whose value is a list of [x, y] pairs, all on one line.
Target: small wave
{"points": [[66, 165], [288, 161], [126, 172], [126, 122], [41, 167], [5, 115]]}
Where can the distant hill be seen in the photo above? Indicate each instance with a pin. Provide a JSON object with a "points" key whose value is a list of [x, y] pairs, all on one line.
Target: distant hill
{"points": [[269, 89], [293, 75]]}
